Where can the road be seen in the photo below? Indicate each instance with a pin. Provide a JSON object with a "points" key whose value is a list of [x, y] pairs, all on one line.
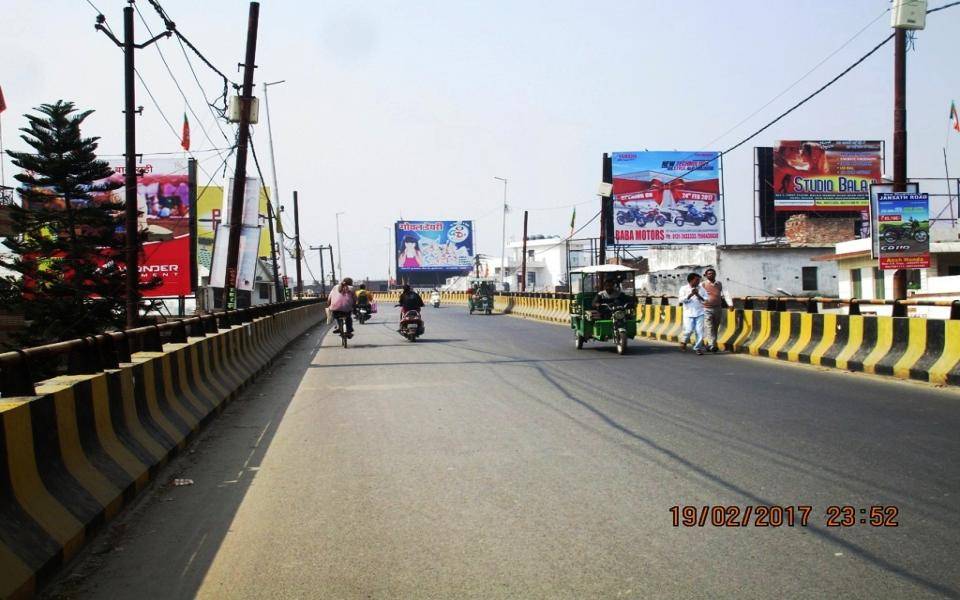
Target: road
{"points": [[493, 460]]}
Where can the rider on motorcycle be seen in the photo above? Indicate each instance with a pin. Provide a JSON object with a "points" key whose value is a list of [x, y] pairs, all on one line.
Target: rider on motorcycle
{"points": [[612, 297], [409, 300]]}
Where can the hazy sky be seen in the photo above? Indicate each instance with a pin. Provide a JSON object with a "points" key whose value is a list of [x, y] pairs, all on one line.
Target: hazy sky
{"points": [[413, 107]]}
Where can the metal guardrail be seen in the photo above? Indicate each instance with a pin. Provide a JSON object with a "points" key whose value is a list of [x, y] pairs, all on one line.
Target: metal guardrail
{"points": [[94, 354]]}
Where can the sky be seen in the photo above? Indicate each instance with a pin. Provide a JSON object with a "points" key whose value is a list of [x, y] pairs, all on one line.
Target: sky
{"points": [[411, 108]]}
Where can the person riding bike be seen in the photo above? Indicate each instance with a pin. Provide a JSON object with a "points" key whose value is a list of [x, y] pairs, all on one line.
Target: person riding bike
{"points": [[341, 301], [612, 297], [362, 296]]}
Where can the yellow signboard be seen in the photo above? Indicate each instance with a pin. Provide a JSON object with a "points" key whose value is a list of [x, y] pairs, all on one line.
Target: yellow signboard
{"points": [[209, 205]]}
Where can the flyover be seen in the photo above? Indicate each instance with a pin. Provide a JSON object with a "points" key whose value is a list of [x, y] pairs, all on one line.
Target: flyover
{"points": [[492, 459]]}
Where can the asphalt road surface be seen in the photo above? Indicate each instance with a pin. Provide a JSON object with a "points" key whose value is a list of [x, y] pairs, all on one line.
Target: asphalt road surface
{"points": [[493, 460]]}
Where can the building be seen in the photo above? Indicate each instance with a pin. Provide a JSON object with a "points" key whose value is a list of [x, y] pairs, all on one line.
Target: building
{"points": [[860, 275], [547, 261], [744, 269]]}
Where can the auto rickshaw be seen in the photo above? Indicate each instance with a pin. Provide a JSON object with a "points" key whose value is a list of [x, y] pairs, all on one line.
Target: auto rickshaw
{"points": [[481, 296], [617, 323]]}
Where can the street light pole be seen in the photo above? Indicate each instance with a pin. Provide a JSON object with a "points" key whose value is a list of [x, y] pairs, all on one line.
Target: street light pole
{"points": [[276, 188], [503, 234], [339, 254], [389, 252]]}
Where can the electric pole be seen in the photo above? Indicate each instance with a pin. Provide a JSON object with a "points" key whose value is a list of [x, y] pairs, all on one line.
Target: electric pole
{"points": [[323, 272], [523, 259], [131, 212], [900, 110], [240, 170], [281, 293], [296, 237]]}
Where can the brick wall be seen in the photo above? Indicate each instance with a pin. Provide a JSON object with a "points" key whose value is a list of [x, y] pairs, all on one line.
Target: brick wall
{"points": [[806, 230]]}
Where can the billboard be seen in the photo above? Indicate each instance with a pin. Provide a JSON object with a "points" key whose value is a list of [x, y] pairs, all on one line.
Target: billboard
{"points": [[209, 217], [165, 200], [903, 230], [666, 197], [250, 237], [825, 175], [437, 246]]}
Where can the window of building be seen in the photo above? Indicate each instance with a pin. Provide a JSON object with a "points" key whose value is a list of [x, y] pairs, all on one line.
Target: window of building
{"points": [[811, 282], [264, 290], [856, 284], [530, 253], [913, 279], [953, 270], [531, 279], [879, 288]]}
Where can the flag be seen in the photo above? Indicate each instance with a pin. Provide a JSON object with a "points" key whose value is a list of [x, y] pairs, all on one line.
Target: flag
{"points": [[953, 114], [573, 220], [185, 136], [3, 104]]}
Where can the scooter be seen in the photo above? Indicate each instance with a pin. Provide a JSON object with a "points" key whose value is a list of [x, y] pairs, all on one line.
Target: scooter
{"points": [[411, 325], [435, 299]]}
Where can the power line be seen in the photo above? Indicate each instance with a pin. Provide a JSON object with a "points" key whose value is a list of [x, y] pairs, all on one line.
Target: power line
{"points": [[797, 82], [174, 78]]}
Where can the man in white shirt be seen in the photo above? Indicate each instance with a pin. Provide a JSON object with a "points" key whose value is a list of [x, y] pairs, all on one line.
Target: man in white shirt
{"points": [[691, 297]]}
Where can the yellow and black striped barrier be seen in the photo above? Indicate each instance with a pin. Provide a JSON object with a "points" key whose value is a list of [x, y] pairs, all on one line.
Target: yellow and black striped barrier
{"points": [[73, 454]]}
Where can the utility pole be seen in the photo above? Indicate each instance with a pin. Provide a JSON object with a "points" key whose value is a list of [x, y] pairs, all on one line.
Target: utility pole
{"points": [[240, 171], [296, 237], [339, 253], [900, 110], [333, 271], [131, 212], [503, 233], [606, 208], [276, 187], [323, 272], [281, 294], [523, 268]]}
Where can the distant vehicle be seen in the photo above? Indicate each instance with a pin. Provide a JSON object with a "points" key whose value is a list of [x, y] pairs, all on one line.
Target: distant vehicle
{"points": [[612, 322], [480, 297]]}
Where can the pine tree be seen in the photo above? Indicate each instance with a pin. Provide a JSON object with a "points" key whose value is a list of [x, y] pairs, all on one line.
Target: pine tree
{"points": [[68, 254]]}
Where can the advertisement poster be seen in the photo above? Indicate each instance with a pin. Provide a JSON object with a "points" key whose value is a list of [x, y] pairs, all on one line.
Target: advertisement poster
{"points": [[825, 175], [666, 197], [903, 230], [250, 237], [434, 246], [209, 207], [164, 198], [868, 226]]}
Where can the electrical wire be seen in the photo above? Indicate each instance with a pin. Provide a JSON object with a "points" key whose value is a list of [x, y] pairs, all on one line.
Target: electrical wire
{"points": [[797, 82], [176, 83]]}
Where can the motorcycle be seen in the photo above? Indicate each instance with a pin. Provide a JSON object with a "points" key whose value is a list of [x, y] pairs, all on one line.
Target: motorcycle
{"points": [[694, 216], [362, 313], [411, 325], [911, 230], [642, 218], [435, 300]]}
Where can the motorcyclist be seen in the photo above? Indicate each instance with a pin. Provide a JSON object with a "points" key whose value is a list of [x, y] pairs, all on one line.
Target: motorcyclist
{"points": [[341, 302], [611, 297], [409, 300], [435, 298]]}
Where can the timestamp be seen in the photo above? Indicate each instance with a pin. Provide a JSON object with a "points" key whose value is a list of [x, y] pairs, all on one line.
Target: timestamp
{"points": [[875, 516]]}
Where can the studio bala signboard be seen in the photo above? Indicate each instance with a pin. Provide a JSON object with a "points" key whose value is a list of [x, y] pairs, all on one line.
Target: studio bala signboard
{"points": [[903, 231]]}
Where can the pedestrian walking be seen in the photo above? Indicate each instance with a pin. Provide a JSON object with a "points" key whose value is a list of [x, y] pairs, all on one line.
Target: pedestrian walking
{"points": [[691, 299], [713, 306]]}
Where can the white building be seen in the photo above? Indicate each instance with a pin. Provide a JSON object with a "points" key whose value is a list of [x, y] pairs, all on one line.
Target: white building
{"points": [[744, 270], [546, 261], [860, 275]]}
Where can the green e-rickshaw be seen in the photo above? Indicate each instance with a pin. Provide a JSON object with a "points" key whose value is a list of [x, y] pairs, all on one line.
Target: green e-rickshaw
{"points": [[616, 320], [481, 300]]}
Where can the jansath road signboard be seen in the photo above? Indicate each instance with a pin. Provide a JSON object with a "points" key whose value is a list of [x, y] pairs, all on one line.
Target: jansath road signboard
{"points": [[825, 175], [903, 231], [666, 197]]}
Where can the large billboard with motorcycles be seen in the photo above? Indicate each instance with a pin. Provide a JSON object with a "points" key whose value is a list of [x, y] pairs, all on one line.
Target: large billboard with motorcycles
{"points": [[666, 197], [438, 246]]}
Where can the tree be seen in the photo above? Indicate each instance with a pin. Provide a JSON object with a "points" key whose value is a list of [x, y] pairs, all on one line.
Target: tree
{"points": [[68, 254]]}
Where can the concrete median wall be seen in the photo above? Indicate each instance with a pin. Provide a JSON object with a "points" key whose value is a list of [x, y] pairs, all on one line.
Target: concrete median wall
{"points": [[908, 348], [73, 455]]}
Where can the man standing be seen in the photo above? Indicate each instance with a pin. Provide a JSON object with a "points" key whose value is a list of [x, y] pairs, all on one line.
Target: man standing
{"points": [[713, 306], [691, 299]]}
